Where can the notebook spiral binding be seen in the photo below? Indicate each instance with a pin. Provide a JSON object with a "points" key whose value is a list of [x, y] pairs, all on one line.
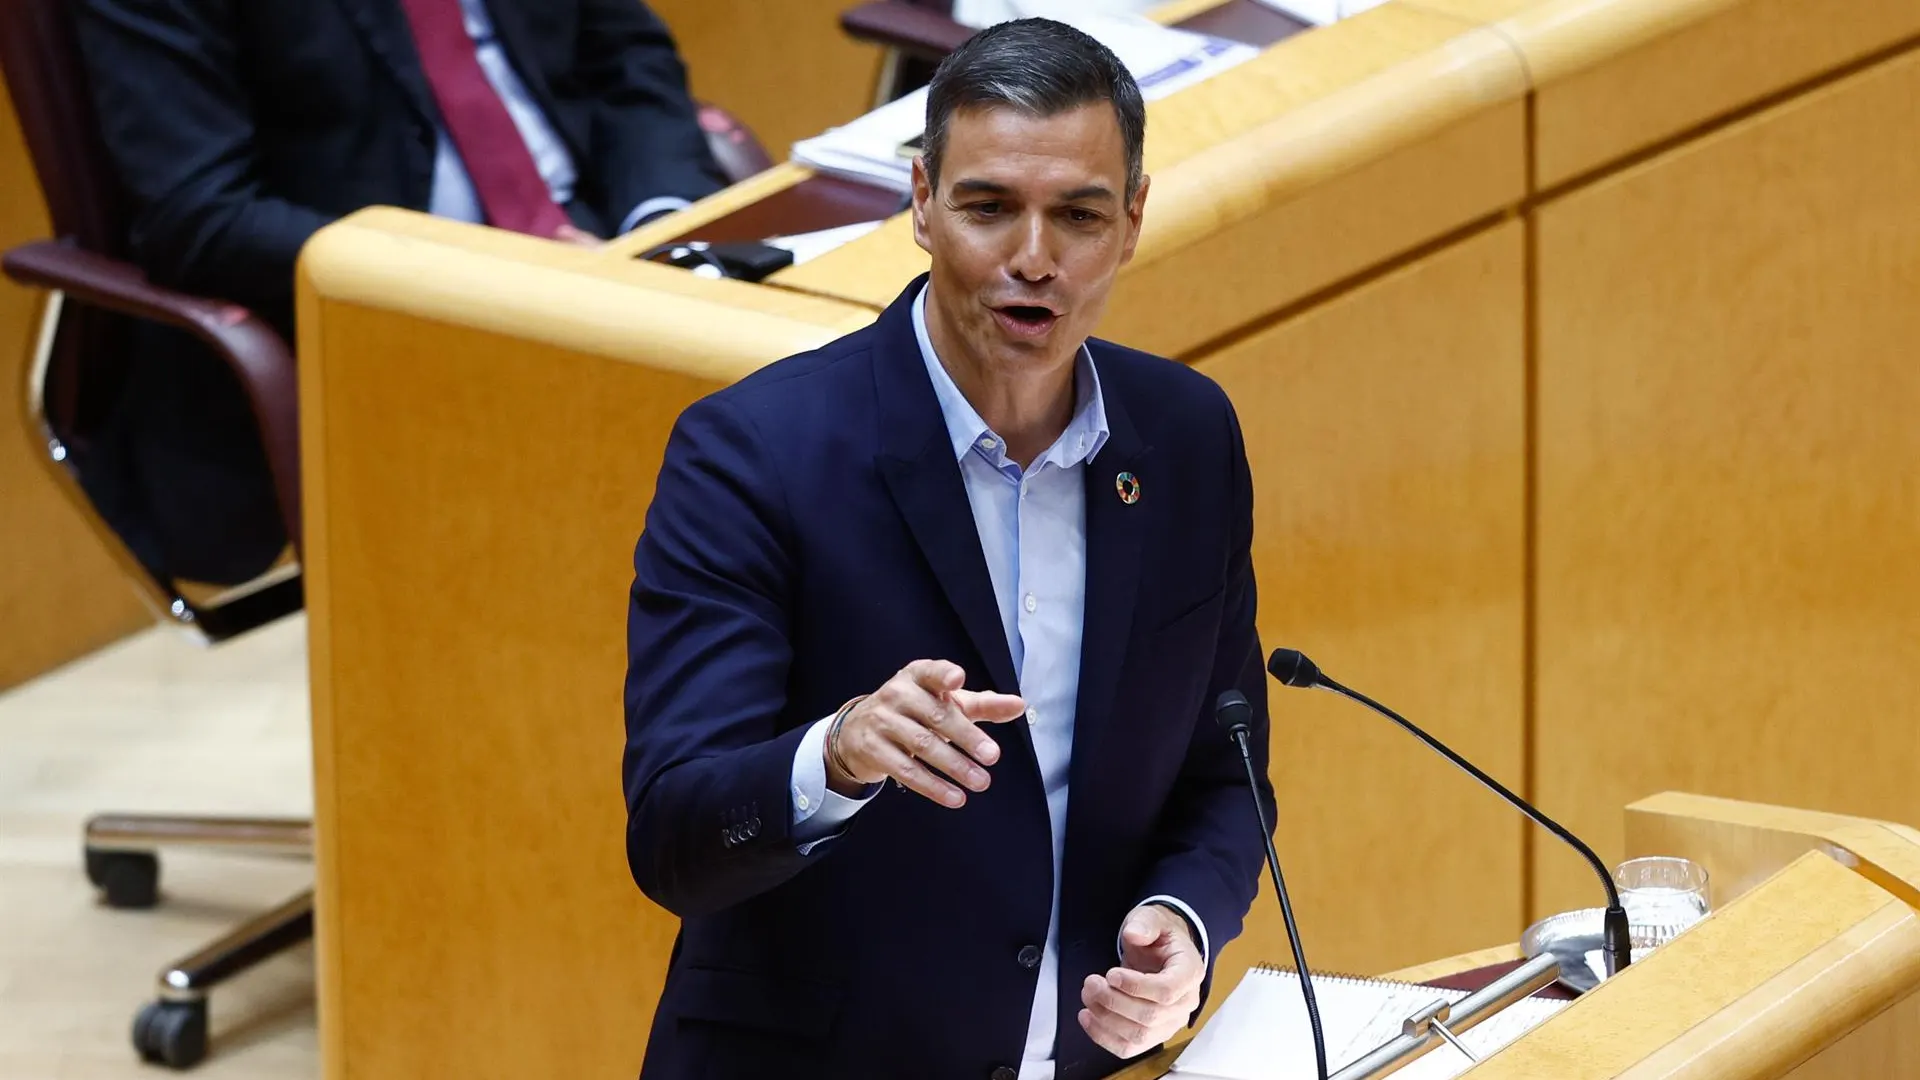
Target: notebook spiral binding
{"points": [[1331, 976]]}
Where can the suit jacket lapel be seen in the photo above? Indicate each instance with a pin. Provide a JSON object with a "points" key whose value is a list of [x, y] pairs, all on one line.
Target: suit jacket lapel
{"points": [[384, 26], [917, 462], [1116, 539]]}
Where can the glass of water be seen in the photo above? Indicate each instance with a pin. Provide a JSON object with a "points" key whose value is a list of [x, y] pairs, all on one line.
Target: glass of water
{"points": [[1663, 895]]}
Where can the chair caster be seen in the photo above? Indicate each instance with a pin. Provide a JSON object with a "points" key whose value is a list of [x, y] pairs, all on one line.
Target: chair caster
{"points": [[129, 879], [171, 1033]]}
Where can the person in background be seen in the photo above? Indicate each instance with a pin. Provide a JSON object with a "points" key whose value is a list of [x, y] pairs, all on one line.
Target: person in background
{"points": [[239, 128]]}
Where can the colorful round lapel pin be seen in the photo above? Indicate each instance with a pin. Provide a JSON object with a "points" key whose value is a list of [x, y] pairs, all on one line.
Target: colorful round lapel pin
{"points": [[1128, 485]]}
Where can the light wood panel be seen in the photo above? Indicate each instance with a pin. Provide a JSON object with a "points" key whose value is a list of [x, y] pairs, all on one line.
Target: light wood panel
{"points": [[1385, 432], [1766, 981], [1617, 76], [61, 594], [784, 67], [1301, 113], [1883, 1046], [1728, 505], [480, 450]]}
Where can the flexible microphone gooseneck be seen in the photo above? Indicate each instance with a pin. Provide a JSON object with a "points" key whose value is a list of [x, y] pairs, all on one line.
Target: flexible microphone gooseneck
{"points": [[1236, 716], [1292, 668]]}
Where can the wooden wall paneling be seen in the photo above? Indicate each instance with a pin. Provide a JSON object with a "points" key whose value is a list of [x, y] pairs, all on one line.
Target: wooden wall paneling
{"points": [[61, 595], [1385, 431], [1615, 77], [1728, 511]]}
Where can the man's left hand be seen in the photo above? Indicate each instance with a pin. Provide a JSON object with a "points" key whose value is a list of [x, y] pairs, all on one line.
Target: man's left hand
{"points": [[1152, 994]]}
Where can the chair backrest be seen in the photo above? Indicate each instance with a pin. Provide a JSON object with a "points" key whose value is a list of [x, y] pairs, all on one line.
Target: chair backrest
{"points": [[40, 60]]}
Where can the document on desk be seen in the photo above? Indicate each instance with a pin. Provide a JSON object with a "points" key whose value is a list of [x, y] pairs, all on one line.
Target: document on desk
{"points": [[1163, 60], [1261, 1031], [1321, 12]]}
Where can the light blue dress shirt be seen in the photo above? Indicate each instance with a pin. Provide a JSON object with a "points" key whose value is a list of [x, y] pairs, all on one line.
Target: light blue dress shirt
{"points": [[453, 194], [1033, 532]]}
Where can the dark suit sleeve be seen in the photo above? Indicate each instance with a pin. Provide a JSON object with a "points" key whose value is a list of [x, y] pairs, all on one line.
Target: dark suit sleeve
{"points": [[1207, 850], [647, 142], [178, 124], [707, 770]]}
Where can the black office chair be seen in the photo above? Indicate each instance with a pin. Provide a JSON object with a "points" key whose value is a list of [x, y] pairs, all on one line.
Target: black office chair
{"points": [[76, 369]]}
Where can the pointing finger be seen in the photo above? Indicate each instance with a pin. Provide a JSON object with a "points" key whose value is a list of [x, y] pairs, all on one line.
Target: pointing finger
{"points": [[987, 707]]}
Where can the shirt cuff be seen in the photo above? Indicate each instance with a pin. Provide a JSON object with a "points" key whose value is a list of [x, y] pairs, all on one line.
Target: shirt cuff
{"points": [[819, 812], [1193, 920], [659, 204]]}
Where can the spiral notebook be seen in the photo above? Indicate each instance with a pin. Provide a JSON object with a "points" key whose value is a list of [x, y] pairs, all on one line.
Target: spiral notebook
{"points": [[1261, 1030]]}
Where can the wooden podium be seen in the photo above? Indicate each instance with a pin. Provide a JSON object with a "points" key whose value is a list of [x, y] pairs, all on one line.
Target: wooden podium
{"points": [[1809, 966]]}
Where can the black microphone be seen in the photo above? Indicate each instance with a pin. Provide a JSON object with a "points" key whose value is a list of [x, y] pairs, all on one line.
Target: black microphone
{"points": [[1292, 668], [1236, 716]]}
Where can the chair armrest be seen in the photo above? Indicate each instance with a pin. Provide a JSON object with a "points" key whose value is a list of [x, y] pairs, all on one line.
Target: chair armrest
{"points": [[254, 351], [903, 26], [734, 146]]}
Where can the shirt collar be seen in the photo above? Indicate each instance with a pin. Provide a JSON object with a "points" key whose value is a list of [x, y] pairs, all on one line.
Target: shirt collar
{"points": [[1086, 433]]}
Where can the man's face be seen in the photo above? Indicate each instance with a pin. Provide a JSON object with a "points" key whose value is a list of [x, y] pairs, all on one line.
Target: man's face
{"points": [[1028, 227]]}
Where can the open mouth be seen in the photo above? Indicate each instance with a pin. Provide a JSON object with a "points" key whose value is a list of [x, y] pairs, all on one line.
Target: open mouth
{"points": [[1026, 320]]}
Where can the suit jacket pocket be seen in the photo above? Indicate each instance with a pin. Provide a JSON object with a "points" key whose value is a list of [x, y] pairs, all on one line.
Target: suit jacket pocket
{"points": [[1206, 612], [737, 1025], [748, 999]]}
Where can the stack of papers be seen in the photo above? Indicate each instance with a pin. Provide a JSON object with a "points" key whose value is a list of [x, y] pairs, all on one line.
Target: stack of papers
{"points": [[1321, 12], [1163, 60]]}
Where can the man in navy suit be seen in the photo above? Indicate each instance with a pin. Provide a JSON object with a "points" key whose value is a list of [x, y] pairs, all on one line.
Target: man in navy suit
{"points": [[239, 128], [926, 634]]}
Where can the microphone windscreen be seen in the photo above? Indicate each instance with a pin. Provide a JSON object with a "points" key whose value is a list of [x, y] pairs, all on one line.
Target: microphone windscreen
{"points": [[1233, 712], [1292, 668]]}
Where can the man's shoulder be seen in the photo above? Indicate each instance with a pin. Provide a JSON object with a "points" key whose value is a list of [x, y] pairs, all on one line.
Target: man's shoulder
{"points": [[812, 385], [1158, 393]]}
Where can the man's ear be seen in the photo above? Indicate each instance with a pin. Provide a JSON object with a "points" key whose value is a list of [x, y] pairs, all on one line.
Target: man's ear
{"points": [[922, 197], [1136, 213]]}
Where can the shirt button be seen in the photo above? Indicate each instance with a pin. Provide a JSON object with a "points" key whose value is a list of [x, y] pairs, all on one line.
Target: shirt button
{"points": [[1033, 716], [1029, 957], [1032, 604], [802, 801], [988, 444]]}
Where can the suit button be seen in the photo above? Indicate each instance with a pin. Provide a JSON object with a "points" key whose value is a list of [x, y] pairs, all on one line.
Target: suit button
{"points": [[1029, 957], [1005, 1072], [753, 827], [726, 838]]}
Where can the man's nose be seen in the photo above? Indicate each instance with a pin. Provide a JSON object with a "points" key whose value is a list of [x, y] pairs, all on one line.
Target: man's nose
{"points": [[1032, 259]]}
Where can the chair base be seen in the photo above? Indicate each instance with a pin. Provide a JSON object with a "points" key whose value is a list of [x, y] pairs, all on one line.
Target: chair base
{"points": [[121, 861]]}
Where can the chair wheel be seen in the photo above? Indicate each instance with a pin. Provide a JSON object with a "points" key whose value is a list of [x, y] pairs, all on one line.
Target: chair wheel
{"points": [[130, 879], [171, 1033]]}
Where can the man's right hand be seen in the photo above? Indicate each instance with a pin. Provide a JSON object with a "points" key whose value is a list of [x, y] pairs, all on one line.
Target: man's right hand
{"points": [[920, 721]]}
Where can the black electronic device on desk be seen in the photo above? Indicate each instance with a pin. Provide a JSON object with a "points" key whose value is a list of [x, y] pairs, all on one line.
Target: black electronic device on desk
{"points": [[744, 261]]}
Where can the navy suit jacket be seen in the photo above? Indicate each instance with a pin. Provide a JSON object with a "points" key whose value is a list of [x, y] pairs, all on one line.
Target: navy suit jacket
{"points": [[810, 535]]}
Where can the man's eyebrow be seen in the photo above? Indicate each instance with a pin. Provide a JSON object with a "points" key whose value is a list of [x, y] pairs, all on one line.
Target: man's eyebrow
{"points": [[1088, 193], [976, 186], [981, 187]]}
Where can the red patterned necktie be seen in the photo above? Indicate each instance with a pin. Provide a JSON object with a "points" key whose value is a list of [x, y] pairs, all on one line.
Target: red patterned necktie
{"points": [[511, 190]]}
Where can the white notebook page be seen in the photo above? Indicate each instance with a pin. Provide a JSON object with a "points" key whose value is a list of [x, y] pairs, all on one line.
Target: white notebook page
{"points": [[1261, 1031]]}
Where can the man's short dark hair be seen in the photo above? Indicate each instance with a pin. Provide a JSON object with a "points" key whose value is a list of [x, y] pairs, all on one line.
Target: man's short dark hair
{"points": [[1042, 68]]}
